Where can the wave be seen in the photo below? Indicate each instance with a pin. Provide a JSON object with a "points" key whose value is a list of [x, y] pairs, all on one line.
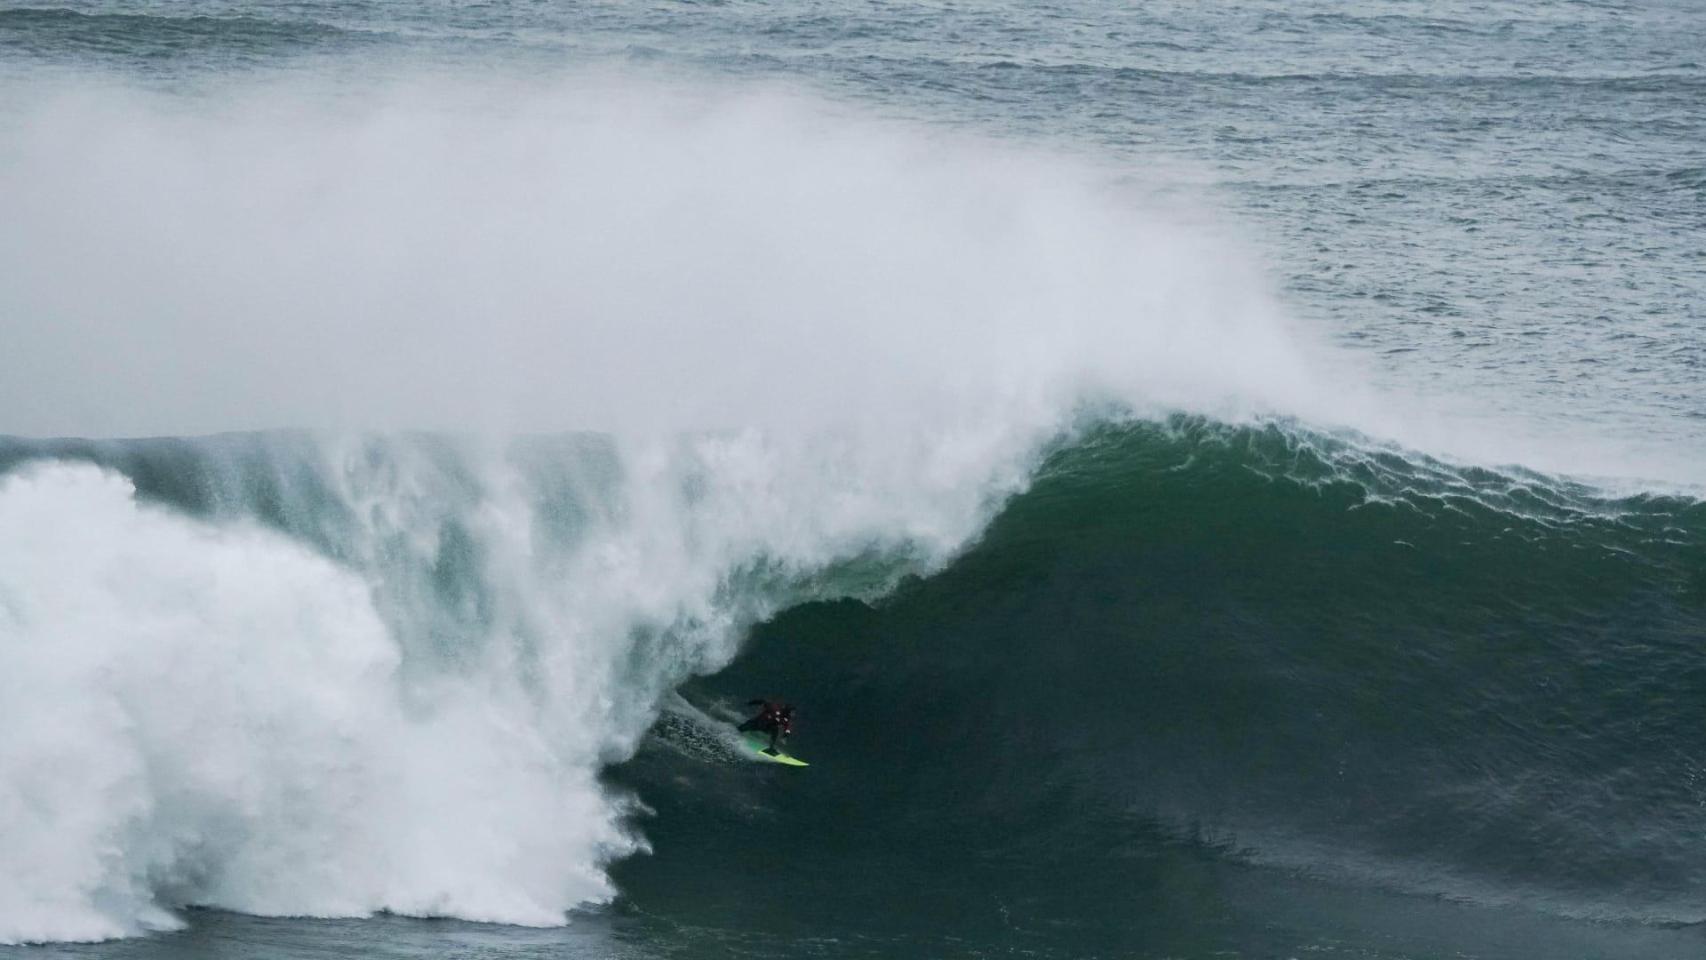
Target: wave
{"points": [[1190, 643], [821, 351], [334, 673], [292, 674]]}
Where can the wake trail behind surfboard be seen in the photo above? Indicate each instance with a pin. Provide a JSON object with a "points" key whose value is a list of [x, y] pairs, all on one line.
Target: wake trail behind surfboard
{"points": [[708, 734]]}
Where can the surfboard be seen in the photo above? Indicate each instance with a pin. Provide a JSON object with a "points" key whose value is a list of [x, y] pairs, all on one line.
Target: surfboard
{"points": [[756, 744]]}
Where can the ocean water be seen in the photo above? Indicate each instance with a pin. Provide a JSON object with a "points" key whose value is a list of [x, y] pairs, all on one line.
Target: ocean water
{"points": [[1218, 479]]}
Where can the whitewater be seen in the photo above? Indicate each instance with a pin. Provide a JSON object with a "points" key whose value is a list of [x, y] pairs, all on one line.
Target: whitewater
{"points": [[397, 423]]}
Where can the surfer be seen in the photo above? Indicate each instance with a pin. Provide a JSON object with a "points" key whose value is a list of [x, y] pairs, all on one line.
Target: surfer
{"points": [[776, 719]]}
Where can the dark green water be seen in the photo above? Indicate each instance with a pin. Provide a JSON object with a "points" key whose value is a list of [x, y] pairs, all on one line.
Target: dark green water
{"points": [[1198, 683]]}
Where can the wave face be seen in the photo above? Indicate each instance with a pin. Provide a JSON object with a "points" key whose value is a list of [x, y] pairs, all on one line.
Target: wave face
{"points": [[1192, 648]]}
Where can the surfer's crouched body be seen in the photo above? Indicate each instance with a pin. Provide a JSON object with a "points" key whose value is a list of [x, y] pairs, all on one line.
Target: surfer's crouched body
{"points": [[776, 719]]}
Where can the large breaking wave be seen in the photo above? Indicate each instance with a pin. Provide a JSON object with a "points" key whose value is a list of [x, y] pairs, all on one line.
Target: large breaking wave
{"points": [[338, 673], [289, 674]]}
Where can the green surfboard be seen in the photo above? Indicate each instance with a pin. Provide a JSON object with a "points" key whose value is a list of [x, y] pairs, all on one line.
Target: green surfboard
{"points": [[756, 744]]}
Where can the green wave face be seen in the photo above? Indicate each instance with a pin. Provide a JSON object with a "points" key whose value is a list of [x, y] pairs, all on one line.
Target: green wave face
{"points": [[1199, 680]]}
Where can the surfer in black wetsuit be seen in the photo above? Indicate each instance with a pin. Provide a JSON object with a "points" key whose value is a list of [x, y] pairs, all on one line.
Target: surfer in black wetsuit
{"points": [[776, 719]]}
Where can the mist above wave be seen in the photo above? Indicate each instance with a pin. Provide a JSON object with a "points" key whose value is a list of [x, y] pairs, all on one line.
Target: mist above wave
{"points": [[588, 252]]}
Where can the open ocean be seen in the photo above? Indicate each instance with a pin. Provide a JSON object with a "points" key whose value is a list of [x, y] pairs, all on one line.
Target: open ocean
{"points": [[1219, 480]]}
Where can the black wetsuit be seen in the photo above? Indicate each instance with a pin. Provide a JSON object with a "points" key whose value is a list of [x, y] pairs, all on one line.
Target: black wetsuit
{"points": [[776, 719]]}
